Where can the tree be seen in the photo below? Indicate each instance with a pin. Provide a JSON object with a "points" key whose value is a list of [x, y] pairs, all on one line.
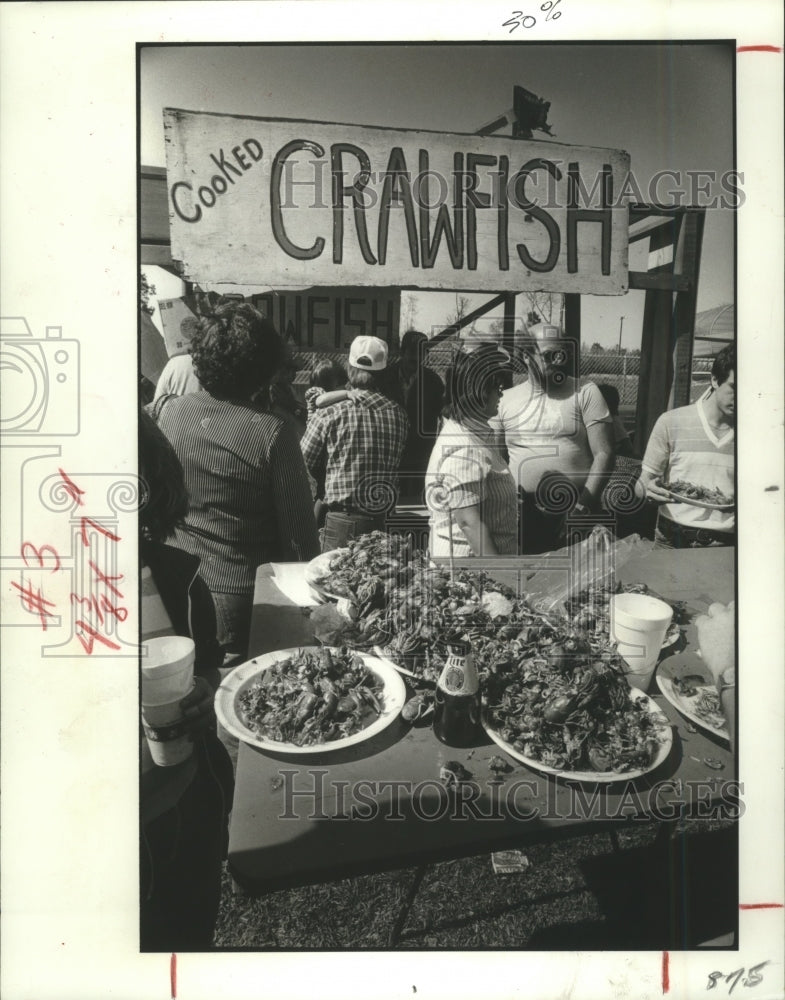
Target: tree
{"points": [[409, 307], [596, 348], [146, 291], [461, 310], [546, 305]]}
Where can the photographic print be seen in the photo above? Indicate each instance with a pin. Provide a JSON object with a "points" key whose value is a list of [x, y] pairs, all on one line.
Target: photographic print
{"points": [[380, 522]]}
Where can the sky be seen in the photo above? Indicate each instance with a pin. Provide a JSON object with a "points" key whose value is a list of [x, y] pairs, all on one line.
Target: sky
{"points": [[669, 107]]}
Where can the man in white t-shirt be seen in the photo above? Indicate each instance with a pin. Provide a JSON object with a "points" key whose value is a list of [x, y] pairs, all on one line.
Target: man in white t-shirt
{"points": [[695, 444], [558, 435]]}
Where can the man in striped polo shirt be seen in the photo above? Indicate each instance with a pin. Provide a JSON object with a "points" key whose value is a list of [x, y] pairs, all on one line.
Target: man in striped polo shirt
{"points": [[695, 444]]}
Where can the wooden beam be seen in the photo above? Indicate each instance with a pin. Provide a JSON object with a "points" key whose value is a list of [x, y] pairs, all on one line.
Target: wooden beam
{"points": [[508, 118], [572, 316], [641, 229], [448, 331], [656, 363], [642, 281], [688, 257], [508, 336]]}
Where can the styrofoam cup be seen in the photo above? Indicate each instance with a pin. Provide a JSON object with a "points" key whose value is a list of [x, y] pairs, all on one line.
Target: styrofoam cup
{"points": [[163, 729], [167, 677], [167, 669], [639, 624]]}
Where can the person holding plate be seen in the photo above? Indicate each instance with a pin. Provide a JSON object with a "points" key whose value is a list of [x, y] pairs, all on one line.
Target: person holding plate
{"points": [[695, 444]]}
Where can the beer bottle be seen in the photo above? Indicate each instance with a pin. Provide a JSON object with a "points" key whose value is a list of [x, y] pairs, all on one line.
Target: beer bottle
{"points": [[456, 719]]}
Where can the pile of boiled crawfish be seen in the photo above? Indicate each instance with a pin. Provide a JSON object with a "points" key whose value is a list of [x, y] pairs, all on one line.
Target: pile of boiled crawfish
{"points": [[552, 683], [366, 567], [312, 697]]}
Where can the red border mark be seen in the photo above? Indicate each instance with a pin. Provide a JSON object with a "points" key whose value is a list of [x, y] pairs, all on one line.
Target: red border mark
{"points": [[760, 906], [666, 979], [759, 48], [173, 975]]}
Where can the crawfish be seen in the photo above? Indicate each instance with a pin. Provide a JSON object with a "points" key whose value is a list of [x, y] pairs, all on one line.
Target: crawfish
{"points": [[304, 707]]}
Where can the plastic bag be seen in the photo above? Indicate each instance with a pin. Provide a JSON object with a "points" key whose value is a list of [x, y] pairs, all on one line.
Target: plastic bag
{"points": [[592, 562]]}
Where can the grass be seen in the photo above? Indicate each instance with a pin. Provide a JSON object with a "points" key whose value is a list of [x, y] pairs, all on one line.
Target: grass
{"points": [[575, 894]]}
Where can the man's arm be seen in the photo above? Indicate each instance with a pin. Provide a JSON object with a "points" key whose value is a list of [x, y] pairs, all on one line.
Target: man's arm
{"points": [[476, 531], [655, 463], [601, 444]]}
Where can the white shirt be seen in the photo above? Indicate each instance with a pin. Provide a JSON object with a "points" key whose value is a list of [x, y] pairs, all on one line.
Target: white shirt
{"points": [[543, 433], [178, 378]]}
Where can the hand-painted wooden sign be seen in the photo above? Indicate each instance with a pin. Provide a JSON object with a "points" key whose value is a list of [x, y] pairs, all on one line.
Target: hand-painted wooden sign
{"points": [[328, 319], [280, 202]]}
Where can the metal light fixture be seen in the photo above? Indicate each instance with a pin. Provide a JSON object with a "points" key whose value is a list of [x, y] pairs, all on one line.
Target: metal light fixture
{"points": [[531, 112]]}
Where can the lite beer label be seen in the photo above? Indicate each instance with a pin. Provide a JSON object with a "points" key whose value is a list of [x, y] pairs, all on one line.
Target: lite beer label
{"points": [[457, 711]]}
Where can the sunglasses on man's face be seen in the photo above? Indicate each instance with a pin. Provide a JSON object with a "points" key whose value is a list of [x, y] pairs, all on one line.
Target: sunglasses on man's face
{"points": [[557, 356]]}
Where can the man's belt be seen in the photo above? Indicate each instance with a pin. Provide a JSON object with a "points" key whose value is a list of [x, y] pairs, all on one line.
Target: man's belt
{"points": [[682, 533], [339, 508]]}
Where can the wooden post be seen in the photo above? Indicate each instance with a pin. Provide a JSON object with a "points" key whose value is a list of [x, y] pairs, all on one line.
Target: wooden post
{"points": [[508, 336], [656, 372], [688, 256], [572, 316]]}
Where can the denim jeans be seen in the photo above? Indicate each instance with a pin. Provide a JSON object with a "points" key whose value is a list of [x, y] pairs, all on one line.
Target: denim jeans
{"points": [[672, 535], [233, 618], [340, 527]]}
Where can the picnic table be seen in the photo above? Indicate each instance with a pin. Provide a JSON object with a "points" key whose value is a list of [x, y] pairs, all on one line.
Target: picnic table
{"points": [[299, 820]]}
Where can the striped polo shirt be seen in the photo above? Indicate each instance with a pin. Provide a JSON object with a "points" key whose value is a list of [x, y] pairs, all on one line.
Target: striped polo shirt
{"points": [[466, 470], [249, 496], [684, 446]]}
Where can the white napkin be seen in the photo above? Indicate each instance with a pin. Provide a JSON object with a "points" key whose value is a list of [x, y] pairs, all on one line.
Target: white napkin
{"points": [[289, 578]]}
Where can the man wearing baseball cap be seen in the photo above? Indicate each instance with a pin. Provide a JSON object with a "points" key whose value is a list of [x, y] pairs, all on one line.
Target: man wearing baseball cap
{"points": [[356, 445]]}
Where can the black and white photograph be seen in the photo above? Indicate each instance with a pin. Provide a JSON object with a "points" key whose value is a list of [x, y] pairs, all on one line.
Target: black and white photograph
{"points": [[388, 513], [447, 377]]}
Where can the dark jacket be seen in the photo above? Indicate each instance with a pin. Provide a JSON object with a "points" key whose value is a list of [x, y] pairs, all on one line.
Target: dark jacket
{"points": [[188, 603], [422, 400]]}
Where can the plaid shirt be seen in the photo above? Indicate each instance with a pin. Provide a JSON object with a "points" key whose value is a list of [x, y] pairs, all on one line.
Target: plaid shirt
{"points": [[357, 445]]}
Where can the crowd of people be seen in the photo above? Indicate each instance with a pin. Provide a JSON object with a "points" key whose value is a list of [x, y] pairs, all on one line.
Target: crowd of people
{"points": [[502, 454], [239, 472]]}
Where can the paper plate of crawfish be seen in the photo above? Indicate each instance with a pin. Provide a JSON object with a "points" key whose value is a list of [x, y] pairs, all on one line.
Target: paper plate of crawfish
{"points": [[314, 699], [318, 577], [689, 687], [362, 571], [583, 723]]}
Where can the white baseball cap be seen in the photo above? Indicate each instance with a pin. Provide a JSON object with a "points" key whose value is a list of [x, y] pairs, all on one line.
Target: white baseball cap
{"points": [[368, 353]]}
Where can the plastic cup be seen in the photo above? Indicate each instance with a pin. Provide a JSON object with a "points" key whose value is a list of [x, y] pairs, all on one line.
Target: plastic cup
{"points": [[167, 677], [639, 624]]}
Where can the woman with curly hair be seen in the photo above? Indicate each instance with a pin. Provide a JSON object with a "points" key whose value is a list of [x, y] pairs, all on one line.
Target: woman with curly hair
{"points": [[250, 499], [469, 489]]}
